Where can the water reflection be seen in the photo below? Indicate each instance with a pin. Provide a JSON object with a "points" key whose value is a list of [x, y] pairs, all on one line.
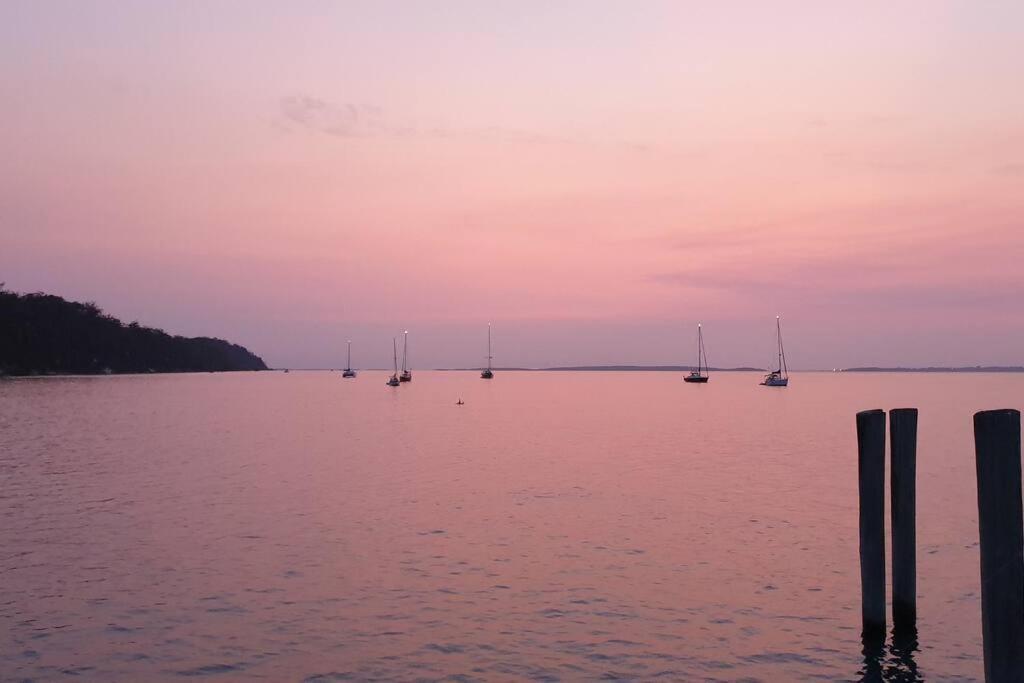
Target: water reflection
{"points": [[895, 663]]}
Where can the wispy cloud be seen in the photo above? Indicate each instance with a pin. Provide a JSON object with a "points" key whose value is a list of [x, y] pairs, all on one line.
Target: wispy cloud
{"points": [[348, 120], [1011, 169], [893, 260], [357, 120], [361, 120], [861, 283]]}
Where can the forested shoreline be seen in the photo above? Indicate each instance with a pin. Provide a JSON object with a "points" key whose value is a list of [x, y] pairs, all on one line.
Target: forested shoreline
{"points": [[44, 334]]}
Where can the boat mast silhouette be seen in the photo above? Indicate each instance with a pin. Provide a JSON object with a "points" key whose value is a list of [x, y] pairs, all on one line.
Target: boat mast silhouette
{"points": [[406, 375], [488, 373], [779, 377], [695, 376], [393, 381], [349, 372]]}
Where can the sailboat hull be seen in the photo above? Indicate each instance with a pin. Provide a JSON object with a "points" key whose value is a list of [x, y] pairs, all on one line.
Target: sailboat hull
{"points": [[695, 380], [487, 374], [405, 377], [348, 374], [775, 382]]}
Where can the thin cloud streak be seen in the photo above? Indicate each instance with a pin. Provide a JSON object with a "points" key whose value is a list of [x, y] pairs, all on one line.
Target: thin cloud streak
{"points": [[360, 120], [347, 120], [352, 120]]}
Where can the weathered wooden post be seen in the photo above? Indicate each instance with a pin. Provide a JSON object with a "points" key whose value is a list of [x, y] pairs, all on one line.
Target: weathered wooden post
{"points": [[871, 475], [903, 469], [1001, 527]]}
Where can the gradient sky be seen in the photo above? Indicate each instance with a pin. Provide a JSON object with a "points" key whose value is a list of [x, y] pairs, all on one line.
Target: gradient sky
{"points": [[593, 177]]}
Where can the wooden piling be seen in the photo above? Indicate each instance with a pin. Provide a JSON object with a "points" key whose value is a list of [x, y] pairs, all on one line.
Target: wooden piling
{"points": [[871, 476], [1001, 527], [902, 482]]}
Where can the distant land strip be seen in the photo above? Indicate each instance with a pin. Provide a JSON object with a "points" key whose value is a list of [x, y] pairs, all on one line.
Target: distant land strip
{"points": [[975, 368], [609, 368], [687, 368], [43, 334]]}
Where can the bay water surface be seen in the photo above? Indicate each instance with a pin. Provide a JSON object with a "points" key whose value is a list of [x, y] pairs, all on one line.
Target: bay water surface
{"points": [[558, 526]]}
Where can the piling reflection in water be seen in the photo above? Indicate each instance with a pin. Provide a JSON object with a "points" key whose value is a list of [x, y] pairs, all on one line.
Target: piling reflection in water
{"points": [[895, 663]]}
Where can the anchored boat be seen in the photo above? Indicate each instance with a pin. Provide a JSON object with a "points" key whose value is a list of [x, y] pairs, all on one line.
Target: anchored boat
{"points": [[779, 377], [349, 372], [696, 376], [393, 380], [488, 373], [406, 375]]}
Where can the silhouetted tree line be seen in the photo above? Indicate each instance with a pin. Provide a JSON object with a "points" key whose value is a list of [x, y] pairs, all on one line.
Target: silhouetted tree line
{"points": [[44, 334]]}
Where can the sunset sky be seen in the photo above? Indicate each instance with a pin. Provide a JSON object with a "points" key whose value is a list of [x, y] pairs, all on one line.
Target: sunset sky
{"points": [[592, 177]]}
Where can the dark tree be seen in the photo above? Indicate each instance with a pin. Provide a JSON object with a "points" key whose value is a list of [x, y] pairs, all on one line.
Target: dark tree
{"points": [[44, 334]]}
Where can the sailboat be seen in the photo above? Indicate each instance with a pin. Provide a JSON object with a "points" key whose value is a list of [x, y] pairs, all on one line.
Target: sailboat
{"points": [[406, 375], [488, 373], [696, 377], [393, 381], [349, 372], [779, 377]]}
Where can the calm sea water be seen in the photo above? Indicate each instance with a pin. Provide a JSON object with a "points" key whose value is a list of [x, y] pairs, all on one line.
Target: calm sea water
{"points": [[556, 526]]}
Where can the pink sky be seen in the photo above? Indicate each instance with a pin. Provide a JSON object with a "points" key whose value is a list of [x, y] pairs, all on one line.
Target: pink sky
{"points": [[593, 177]]}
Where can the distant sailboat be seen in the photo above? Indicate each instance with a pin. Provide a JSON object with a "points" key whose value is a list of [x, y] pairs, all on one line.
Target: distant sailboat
{"points": [[779, 377], [695, 376], [393, 381], [349, 372], [406, 375], [488, 373]]}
